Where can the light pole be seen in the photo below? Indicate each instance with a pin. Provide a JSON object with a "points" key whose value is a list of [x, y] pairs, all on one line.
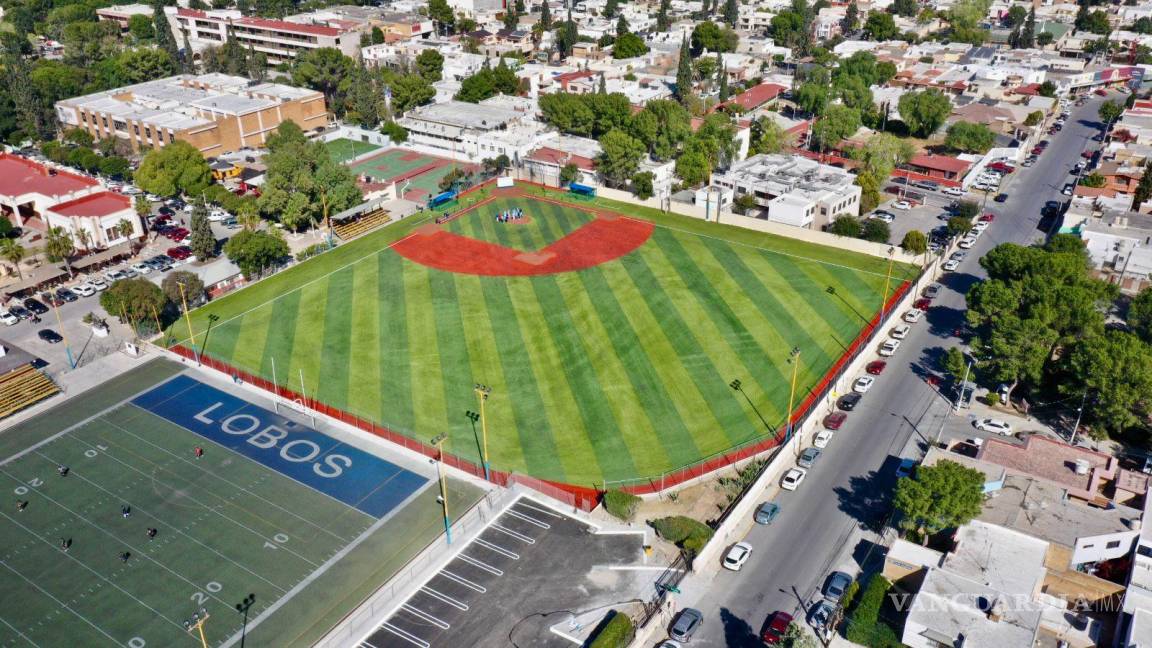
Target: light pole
{"points": [[197, 623], [1079, 413], [887, 282], [438, 443], [736, 385], [794, 358], [242, 607], [482, 392], [188, 320], [60, 324], [212, 319]]}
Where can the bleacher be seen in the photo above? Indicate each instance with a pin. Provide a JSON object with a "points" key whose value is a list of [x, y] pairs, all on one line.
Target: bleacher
{"points": [[24, 387], [367, 222]]}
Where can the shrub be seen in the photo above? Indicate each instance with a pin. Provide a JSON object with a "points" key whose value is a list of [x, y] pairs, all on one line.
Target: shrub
{"points": [[620, 504], [684, 532], [866, 627], [616, 632], [311, 251], [993, 399]]}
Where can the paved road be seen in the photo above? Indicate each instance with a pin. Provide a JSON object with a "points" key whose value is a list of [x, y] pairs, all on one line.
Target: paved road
{"points": [[825, 525]]}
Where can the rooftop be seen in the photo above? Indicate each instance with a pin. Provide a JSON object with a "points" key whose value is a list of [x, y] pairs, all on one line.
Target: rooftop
{"points": [[20, 177], [1052, 460], [756, 96], [939, 163], [1005, 560], [265, 23], [950, 606], [465, 115], [98, 204]]}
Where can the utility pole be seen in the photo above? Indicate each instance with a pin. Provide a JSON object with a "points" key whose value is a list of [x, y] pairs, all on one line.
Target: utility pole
{"points": [[1079, 413], [794, 358], [188, 320], [438, 443], [242, 607], [482, 392]]}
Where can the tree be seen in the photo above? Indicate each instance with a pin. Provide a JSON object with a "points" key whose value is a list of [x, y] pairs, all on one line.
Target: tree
{"points": [[144, 64], [662, 125], [1143, 188], [914, 242], [141, 28], [489, 82], [714, 38], [193, 288], [692, 168], [1034, 118], [165, 39], [969, 137], [846, 225], [880, 154], [684, 73], [12, 252], [1047, 89], [628, 45], [642, 185], [545, 21], [1045, 38], [906, 8], [430, 65], [1015, 16], [620, 156], [663, 22], [880, 26], [133, 300], [303, 184], [812, 97], [731, 12], [1110, 111], [954, 364], [924, 112], [511, 19], [1116, 369], [1095, 22], [838, 122], [255, 250], [441, 12], [59, 246], [722, 93], [851, 20], [177, 168], [203, 241], [944, 496], [767, 136], [958, 226], [875, 230], [1140, 315], [325, 70], [789, 29], [1028, 33], [142, 205], [569, 173]]}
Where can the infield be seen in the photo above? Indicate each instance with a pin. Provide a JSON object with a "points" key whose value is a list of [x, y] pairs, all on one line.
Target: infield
{"points": [[619, 370]]}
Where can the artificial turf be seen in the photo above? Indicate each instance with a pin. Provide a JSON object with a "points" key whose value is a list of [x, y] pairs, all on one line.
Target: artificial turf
{"points": [[617, 372], [343, 150]]}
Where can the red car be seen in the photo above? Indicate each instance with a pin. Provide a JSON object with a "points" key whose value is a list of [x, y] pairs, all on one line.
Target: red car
{"points": [[1102, 92], [774, 628], [1037, 150], [834, 420], [179, 252], [988, 218], [876, 367], [1001, 167], [922, 304]]}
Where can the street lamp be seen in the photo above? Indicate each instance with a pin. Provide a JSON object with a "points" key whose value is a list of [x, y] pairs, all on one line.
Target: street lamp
{"points": [[212, 319], [438, 443], [482, 392], [60, 324], [794, 358], [242, 607], [736, 385], [196, 623], [887, 282], [188, 320]]}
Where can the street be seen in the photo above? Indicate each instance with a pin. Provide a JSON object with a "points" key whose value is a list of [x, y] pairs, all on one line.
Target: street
{"points": [[831, 521]]}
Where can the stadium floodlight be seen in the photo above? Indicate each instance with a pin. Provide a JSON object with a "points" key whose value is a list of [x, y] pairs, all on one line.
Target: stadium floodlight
{"points": [[196, 623], [242, 607], [438, 443], [482, 392]]}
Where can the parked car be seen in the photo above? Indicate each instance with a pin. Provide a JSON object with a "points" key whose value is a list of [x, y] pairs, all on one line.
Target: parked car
{"points": [[834, 420], [113, 276], [835, 587], [951, 265], [888, 349], [8, 319], [820, 618], [922, 304], [737, 556], [84, 290], [808, 457], [876, 367], [1001, 198], [49, 336], [883, 216], [66, 294], [863, 384], [988, 217], [905, 467], [900, 332], [775, 626], [913, 315], [953, 191], [179, 253], [793, 478], [902, 204], [766, 513], [686, 624], [996, 426], [142, 268], [848, 402], [1068, 189], [35, 305], [967, 242], [931, 291], [21, 312], [98, 283]]}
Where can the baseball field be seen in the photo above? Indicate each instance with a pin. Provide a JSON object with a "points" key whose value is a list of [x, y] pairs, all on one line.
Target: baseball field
{"points": [[609, 334]]}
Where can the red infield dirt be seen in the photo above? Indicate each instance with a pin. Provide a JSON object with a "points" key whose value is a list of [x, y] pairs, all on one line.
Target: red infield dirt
{"points": [[608, 237]]}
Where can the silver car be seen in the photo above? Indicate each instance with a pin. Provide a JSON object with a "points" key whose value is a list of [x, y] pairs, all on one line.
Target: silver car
{"points": [[687, 623]]}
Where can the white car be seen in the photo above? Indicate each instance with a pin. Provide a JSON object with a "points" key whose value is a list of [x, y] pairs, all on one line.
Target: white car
{"points": [[8, 319], [888, 349], [737, 556], [900, 332], [823, 437], [954, 191], [995, 426], [84, 290], [902, 204], [980, 226], [98, 283], [218, 215], [1068, 189], [967, 243], [793, 478], [913, 315], [863, 384], [951, 264], [883, 217], [142, 268], [112, 276]]}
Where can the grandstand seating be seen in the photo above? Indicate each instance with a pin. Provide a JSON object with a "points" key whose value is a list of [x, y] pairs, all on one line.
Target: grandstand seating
{"points": [[24, 387], [366, 223]]}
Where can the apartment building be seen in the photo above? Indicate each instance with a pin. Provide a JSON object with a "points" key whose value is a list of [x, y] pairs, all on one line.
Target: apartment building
{"points": [[122, 14], [279, 40], [792, 189], [478, 131], [216, 113]]}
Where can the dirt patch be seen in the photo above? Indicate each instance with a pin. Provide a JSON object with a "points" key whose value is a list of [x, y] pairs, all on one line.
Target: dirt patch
{"points": [[535, 258]]}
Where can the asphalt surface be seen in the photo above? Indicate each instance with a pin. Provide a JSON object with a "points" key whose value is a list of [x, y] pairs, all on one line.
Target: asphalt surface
{"points": [[828, 523]]}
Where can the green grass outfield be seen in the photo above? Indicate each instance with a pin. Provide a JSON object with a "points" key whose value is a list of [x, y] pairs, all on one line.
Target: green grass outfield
{"points": [[228, 527], [616, 372], [344, 149]]}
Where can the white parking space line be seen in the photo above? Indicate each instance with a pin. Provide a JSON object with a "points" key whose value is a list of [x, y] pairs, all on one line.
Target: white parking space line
{"points": [[463, 607], [518, 536], [475, 587], [545, 511], [529, 520], [443, 625], [497, 548], [406, 636], [481, 565]]}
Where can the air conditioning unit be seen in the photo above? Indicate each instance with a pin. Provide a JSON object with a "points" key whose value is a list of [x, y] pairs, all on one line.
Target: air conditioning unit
{"points": [[1082, 466]]}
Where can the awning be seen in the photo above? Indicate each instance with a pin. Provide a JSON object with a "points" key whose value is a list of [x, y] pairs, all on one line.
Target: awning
{"points": [[101, 257], [36, 277]]}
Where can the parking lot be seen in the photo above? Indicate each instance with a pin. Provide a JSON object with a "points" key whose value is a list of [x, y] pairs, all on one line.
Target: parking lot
{"points": [[529, 569]]}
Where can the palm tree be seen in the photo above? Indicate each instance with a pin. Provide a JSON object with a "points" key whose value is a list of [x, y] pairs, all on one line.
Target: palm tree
{"points": [[58, 246], [248, 217], [124, 228], [83, 237], [14, 253]]}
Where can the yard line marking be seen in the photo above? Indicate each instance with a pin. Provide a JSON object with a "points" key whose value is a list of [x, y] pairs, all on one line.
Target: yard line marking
{"points": [[529, 520], [497, 548], [481, 565], [463, 607], [205, 506], [406, 636], [365, 644], [85, 479], [524, 502], [463, 581], [96, 573], [22, 635], [60, 603], [135, 550], [518, 536], [443, 625]]}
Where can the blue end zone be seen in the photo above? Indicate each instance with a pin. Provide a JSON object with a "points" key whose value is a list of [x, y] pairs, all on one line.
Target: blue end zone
{"points": [[357, 478]]}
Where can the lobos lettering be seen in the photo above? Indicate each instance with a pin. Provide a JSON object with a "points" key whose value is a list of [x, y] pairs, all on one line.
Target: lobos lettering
{"points": [[269, 436]]}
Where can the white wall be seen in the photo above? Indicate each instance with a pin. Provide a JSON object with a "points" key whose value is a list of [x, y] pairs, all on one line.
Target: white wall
{"points": [[1095, 548]]}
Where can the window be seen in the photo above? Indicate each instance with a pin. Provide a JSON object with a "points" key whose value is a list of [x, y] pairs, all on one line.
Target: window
{"points": [[1112, 545]]}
